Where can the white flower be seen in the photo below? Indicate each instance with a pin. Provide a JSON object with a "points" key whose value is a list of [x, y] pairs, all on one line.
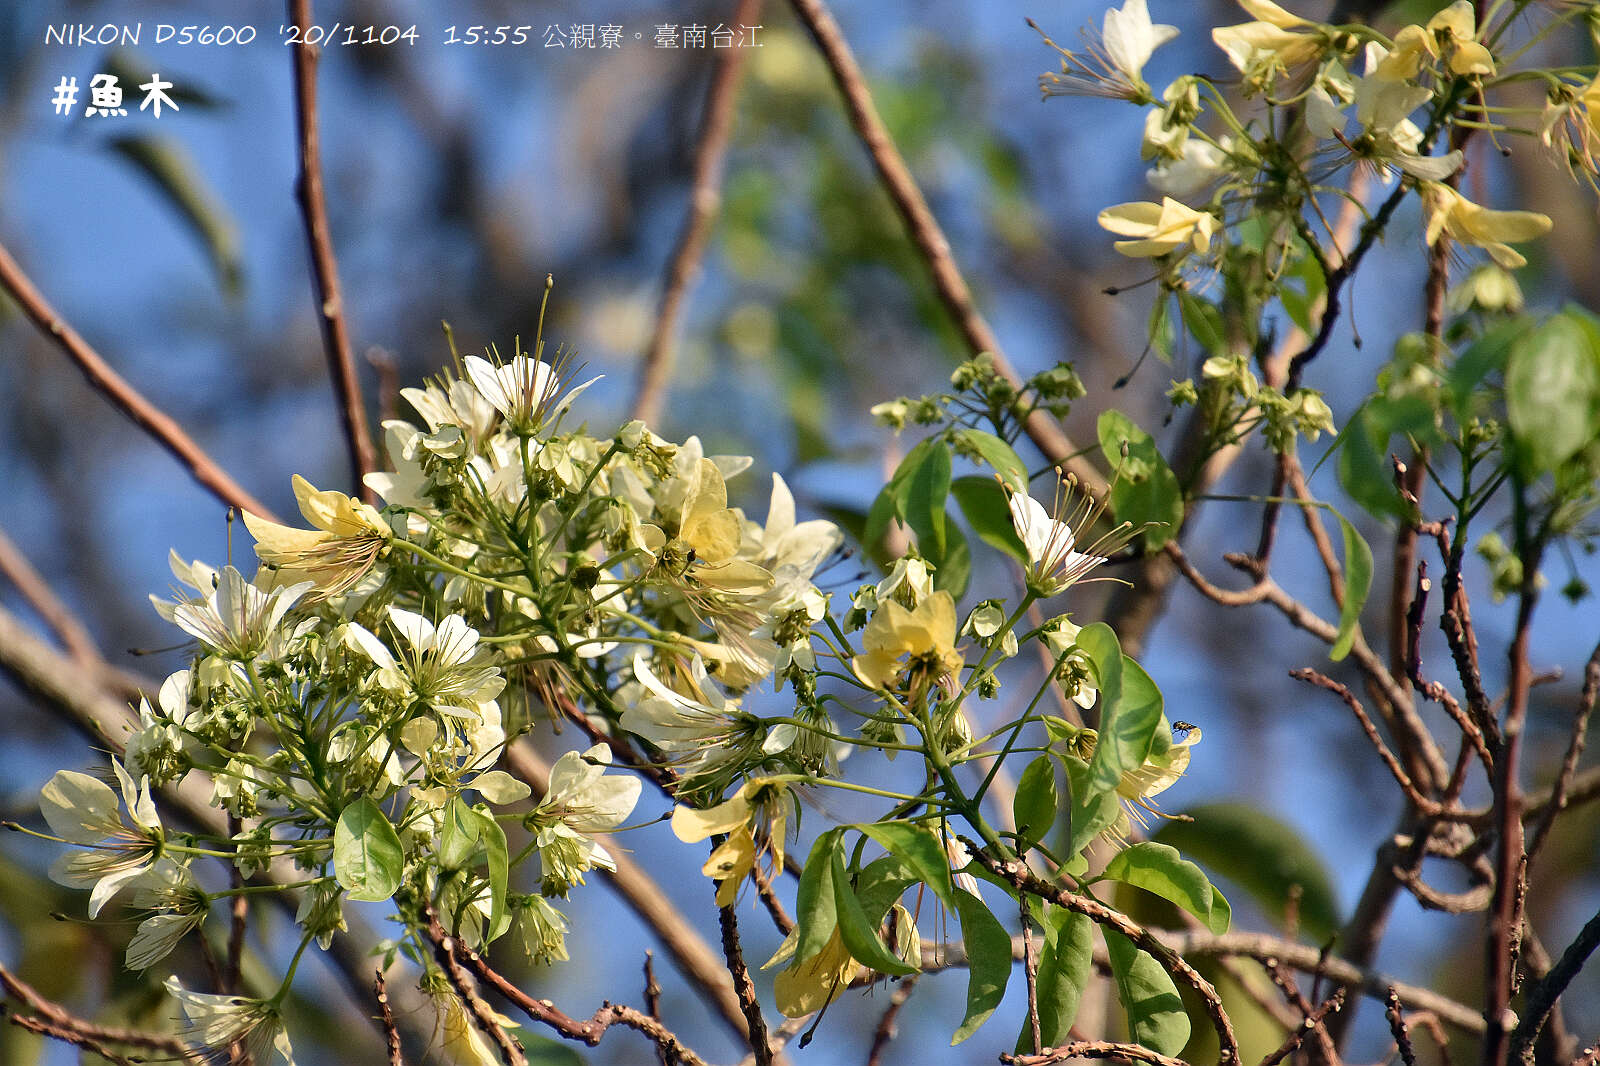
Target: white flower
{"points": [[525, 391], [180, 906], [215, 1022], [1201, 165], [701, 733], [82, 810], [582, 799], [437, 664], [1130, 38], [1053, 565], [230, 615]]}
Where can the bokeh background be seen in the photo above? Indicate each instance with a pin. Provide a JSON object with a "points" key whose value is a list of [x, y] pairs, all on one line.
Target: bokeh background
{"points": [[458, 176]]}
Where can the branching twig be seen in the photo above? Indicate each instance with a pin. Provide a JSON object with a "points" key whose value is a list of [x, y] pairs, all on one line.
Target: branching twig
{"points": [[705, 198], [1093, 1049], [1313, 1024], [588, 1032], [65, 1034], [386, 1013], [483, 1016], [1312, 677], [1397, 1026], [123, 396], [1542, 997], [734, 953], [324, 267], [887, 1030], [60, 1020], [1569, 763], [1024, 880]]}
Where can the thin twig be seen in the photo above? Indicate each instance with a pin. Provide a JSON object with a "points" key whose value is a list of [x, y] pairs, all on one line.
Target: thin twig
{"points": [[386, 1012], [734, 953], [56, 1031], [652, 1003], [44, 601], [887, 1028], [1093, 1049], [1397, 1026], [63, 1020], [705, 199], [588, 1032], [691, 953], [1569, 763], [324, 267], [925, 233], [1312, 677], [483, 1016], [1542, 997], [1312, 1024], [1019, 876], [123, 396]]}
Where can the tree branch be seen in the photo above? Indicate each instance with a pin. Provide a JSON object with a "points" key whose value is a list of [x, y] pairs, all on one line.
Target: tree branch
{"points": [[705, 199], [123, 396], [324, 267]]}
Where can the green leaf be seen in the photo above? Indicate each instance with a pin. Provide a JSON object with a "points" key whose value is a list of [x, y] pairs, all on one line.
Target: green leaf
{"points": [[989, 962], [1357, 585], [1064, 968], [879, 516], [1364, 472], [880, 883], [1265, 857], [953, 563], [1553, 392], [816, 915], [856, 929], [367, 857], [1156, 1017], [919, 849], [458, 835], [1091, 810], [984, 504], [1159, 869], [927, 488], [179, 181], [497, 858], [1146, 492], [998, 454], [1486, 355], [1130, 709], [1204, 322], [1034, 805]]}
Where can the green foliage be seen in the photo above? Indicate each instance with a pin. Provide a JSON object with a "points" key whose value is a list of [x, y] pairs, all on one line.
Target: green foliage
{"points": [[367, 857]]}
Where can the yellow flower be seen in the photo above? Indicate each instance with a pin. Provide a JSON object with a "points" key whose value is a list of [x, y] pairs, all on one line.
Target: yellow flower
{"points": [[925, 636], [810, 984], [348, 539], [708, 538], [1453, 215], [1158, 229], [1456, 25], [1276, 41], [757, 809]]}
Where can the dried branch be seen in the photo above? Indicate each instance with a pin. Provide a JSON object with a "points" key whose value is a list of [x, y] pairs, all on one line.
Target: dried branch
{"points": [[43, 599], [60, 1020], [1569, 763], [705, 199], [1023, 879], [386, 1013], [483, 1016], [1422, 803], [588, 1032], [1313, 1024], [1093, 1049], [123, 396], [760, 1047], [66, 1035], [926, 234], [1541, 999], [324, 267], [693, 956], [887, 1028], [1397, 1026]]}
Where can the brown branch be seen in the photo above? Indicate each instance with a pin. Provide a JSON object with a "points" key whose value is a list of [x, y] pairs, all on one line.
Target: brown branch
{"points": [[61, 1020], [44, 601], [1422, 803], [925, 233], [693, 956], [1093, 1049], [1541, 999], [324, 267], [1313, 1024], [1023, 879], [1323, 1052], [1569, 763], [887, 1029], [652, 1003], [386, 1013], [444, 949], [66, 1035], [1397, 1026], [705, 199], [123, 396], [760, 1047], [588, 1032]]}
